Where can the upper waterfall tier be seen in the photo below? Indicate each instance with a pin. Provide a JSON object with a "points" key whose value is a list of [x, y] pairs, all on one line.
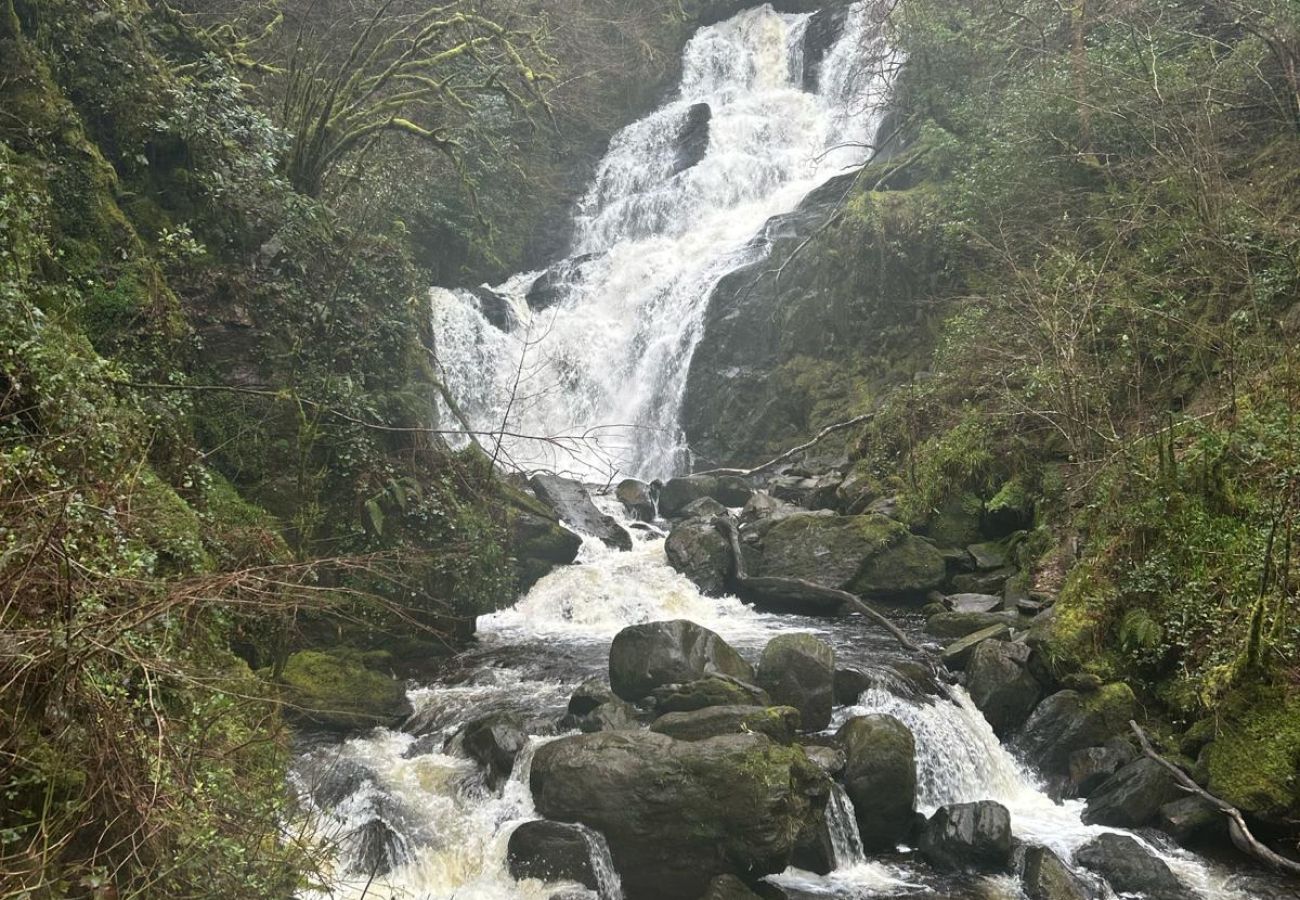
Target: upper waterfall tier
{"points": [[594, 351]]}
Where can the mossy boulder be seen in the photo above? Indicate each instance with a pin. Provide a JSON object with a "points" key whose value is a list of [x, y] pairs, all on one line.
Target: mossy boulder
{"points": [[538, 542], [1254, 762], [868, 555], [338, 690], [712, 690], [697, 550], [799, 670], [1068, 721], [780, 723], [880, 777], [654, 654], [677, 814]]}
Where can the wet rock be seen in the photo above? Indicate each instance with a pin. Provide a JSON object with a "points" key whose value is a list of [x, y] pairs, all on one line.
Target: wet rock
{"points": [[1001, 685], [644, 657], [830, 760], [880, 778], [808, 492], [988, 556], [815, 850], [552, 287], [1068, 721], [693, 137], [953, 625], [615, 715], [374, 849], [856, 492], [957, 654], [338, 691], [866, 555], [700, 552], [703, 508], [969, 837], [1191, 819], [763, 506], [780, 723], [638, 498], [991, 582], [495, 308], [589, 695], [849, 685], [973, 603], [1129, 867], [1047, 878], [551, 851], [799, 670], [340, 780], [713, 690], [493, 742], [678, 493], [1092, 766], [540, 544], [572, 502], [1132, 797], [745, 798], [824, 29], [728, 887]]}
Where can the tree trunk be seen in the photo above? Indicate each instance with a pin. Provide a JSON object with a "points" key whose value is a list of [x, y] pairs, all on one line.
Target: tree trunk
{"points": [[9, 25]]}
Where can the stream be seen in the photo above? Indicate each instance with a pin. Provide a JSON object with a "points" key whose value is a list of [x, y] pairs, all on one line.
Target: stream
{"points": [[607, 344]]}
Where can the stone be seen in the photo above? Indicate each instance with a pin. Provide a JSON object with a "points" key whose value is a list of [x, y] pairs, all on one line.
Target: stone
{"points": [[973, 603], [1001, 685], [494, 741], [1092, 766], [677, 814], [337, 690], [692, 137], [780, 723], [729, 887], [700, 552], [638, 498], [644, 657], [849, 685], [1068, 721], [678, 493], [824, 29], [1046, 877], [957, 654], [989, 556], [763, 506], [552, 287], [573, 504], [540, 544], [495, 308], [589, 695], [703, 508], [551, 851], [968, 837], [374, 848], [990, 582], [1129, 867], [865, 555], [713, 690], [1132, 797], [1190, 819], [799, 670], [953, 625], [615, 715], [830, 760], [880, 778]]}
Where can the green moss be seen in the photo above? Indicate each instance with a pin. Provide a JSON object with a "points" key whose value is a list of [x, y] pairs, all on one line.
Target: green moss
{"points": [[1254, 762], [335, 689]]}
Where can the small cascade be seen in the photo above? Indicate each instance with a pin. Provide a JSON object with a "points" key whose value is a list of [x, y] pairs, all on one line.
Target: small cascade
{"points": [[608, 885], [846, 841]]}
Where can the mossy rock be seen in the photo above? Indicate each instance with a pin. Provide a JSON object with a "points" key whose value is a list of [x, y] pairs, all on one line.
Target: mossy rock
{"points": [[1254, 763], [337, 691]]}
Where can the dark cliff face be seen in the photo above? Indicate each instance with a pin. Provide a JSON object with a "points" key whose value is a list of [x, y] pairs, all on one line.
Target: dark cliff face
{"points": [[809, 334]]}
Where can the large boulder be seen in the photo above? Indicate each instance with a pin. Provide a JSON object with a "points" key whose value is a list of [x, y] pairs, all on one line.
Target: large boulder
{"points": [[867, 555], [1001, 685], [638, 498], [644, 657], [1131, 868], [494, 741], [677, 814], [1091, 767], [572, 503], [712, 690], [954, 624], [729, 887], [539, 544], [957, 654], [337, 690], [780, 723], [1133, 796], [1046, 877], [880, 778], [1068, 721], [1190, 819], [700, 552], [799, 670], [973, 837], [551, 851], [679, 493]]}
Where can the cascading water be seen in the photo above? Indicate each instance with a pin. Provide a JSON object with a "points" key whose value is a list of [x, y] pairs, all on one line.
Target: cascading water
{"points": [[603, 366], [412, 818]]}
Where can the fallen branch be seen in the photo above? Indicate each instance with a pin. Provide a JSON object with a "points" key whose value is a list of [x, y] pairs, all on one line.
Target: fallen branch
{"points": [[789, 454], [1242, 839], [771, 589]]}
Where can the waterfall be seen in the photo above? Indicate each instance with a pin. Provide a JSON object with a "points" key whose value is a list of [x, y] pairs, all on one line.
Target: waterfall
{"points": [[598, 360], [608, 885], [846, 841]]}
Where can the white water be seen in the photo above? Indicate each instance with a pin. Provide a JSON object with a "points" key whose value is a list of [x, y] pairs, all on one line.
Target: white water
{"points": [[604, 370]]}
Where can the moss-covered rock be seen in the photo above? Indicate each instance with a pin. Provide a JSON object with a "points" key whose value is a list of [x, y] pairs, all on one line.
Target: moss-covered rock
{"points": [[1068, 721], [338, 691], [1254, 762]]}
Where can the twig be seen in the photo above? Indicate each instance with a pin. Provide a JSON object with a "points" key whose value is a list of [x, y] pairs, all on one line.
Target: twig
{"points": [[772, 463], [1237, 830]]}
